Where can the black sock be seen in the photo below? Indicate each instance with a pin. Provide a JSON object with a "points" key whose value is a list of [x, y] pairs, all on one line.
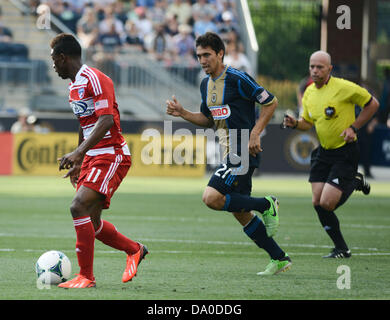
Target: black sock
{"points": [[331, 225], [236, 202], [257, 232]]}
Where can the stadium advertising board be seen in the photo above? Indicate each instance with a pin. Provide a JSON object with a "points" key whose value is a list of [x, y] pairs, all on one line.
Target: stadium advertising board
{"points": [[167, 155], [380, 147], [6, 153], [37, 154]]}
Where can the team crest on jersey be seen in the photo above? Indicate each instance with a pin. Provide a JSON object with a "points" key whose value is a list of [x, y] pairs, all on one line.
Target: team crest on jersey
{"points": [[81, 92], [214, 98], [220, 112]]}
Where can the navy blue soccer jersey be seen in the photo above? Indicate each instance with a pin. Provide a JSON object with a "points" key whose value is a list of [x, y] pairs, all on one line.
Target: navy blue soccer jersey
{"points": [[230, 100]]}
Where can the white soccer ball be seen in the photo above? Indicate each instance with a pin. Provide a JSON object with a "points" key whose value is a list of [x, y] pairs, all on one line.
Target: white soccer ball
{"points": [[53, 267]]}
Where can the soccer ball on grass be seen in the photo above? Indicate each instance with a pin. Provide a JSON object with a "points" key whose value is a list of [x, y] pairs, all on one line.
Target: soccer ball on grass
{"points": [[53, 267]]}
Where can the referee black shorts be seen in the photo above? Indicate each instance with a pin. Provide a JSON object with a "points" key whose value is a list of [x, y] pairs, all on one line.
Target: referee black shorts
{"points": [[337, 167]]}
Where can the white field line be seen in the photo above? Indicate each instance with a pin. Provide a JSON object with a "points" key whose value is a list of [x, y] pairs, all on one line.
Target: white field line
{"points": [[188, 241], [207, 220], [213, 218], [201, 252]]}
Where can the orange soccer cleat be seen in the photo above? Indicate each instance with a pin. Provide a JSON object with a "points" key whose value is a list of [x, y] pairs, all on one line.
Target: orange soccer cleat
{"points": [[78, 283], [132, 263]]}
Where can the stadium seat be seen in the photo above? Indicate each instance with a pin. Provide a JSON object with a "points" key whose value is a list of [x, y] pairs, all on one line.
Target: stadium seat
{"points": [[5, 51], [19, 52]]}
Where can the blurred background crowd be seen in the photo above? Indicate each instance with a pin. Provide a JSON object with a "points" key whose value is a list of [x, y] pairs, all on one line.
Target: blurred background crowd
{"points": [[164, 29]]}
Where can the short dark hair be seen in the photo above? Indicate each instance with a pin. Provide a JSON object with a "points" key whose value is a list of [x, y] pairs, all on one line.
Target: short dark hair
{"points": [[212, 40], [66, 44]]}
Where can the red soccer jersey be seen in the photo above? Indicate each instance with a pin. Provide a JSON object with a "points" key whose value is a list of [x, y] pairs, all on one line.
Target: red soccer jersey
{"points": [[92, 95]]}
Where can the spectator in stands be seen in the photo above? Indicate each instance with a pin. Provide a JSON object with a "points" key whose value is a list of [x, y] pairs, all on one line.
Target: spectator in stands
{"points": [[237, 59], [157, 13], [228, 23], [223, 6], [28, 122], [33, 4], [88, 28], [5, 33], [120, 12], [182, 9], [131, 14], [232, 36], [64, 12], [77, 6], [171, 25], [160, 48], [105, 25], [204, 24], [143, 24], [21, 125], [110, 42], [184, 45], [107, 48], [145, 3], [56, 7], [39, 126], [202, 7], [132, 39]]}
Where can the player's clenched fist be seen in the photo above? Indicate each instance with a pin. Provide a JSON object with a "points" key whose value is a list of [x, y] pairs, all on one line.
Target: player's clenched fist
{"points": [[174, 108], [289, 121]]}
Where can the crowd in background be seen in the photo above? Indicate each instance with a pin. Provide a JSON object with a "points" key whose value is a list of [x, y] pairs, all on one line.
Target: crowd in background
{"points": [[164, 29]]}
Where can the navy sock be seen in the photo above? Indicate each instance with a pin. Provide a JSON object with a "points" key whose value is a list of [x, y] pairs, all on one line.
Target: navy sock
{"points": [[331, 224], [256, 231], [236, 202]]}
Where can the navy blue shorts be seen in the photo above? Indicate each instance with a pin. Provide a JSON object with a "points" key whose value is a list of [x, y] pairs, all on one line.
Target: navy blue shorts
{"points": [[226, 180]]}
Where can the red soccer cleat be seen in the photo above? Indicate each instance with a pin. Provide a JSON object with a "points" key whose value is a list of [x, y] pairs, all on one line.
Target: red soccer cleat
{"points": [[132, 263], [78, 283]]}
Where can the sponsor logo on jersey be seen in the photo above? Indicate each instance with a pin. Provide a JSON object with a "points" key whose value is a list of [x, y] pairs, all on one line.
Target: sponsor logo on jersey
{"points": [[82, 108], [220, 112]]}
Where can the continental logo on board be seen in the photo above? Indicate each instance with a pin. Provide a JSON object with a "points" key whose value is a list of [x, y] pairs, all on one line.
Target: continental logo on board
{"points": [[38, 153]]}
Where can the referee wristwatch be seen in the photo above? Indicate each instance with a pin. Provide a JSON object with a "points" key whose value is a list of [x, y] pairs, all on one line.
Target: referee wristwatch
{"points": [[353, 128]]}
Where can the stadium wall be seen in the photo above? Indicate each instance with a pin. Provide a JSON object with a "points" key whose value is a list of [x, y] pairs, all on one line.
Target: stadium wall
{"points": [[285, 151], [37, 154], [6, 143]]}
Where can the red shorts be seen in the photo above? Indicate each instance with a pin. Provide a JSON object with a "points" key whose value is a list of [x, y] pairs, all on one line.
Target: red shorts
{"points": [[104, 173]]}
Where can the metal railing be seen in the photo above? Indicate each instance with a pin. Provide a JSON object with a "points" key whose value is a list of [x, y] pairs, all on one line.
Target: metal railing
{"points": [[143, 84]]}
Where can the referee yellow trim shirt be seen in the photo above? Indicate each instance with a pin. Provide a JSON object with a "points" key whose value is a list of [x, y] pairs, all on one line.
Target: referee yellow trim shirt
{"points": [[331, 109]]}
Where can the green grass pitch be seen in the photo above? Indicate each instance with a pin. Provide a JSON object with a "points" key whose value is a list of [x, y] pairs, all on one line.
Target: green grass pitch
{"points": [[195, 253]]}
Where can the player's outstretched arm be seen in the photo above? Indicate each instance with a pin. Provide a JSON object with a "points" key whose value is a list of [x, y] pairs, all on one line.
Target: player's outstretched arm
{"points": [[174, 108]]}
